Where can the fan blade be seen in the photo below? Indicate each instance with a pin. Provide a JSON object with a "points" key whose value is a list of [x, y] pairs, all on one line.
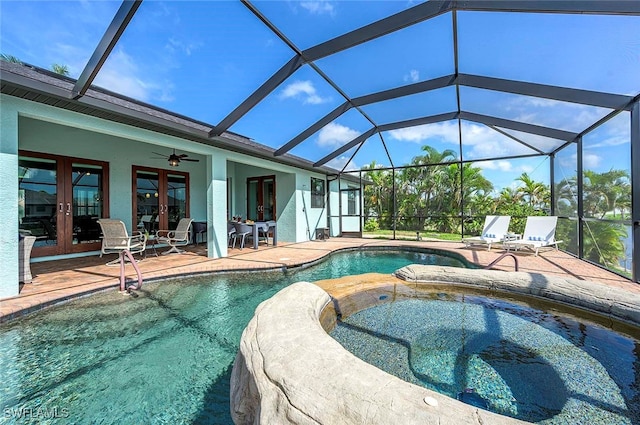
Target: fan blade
{"points": [[161, 154], [190, 160], [183, 155]]}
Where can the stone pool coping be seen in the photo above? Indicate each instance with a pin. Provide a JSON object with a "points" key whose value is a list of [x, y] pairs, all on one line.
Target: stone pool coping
{"points": [[614, 302], [289, 370]]}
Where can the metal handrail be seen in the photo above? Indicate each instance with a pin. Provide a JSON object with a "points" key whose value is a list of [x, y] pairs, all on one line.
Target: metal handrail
{"points": [[506, 254]]}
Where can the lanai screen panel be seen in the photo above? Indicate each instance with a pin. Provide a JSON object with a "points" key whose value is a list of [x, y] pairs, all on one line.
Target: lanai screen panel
{"points": [[566, 116], [300, 101], [429, 143], [333, 136], [47, 33], [480, 141], [417, 53], [414, 106], [200, 59], [536, 142], [579, 51], [307, 24]]}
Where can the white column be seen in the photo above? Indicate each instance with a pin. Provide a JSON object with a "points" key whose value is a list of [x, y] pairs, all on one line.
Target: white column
{"points": [[217, 206], [9, 195]]}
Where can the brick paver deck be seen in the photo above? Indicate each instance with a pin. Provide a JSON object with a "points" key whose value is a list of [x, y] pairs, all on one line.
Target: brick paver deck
{"points": [[57, 281]]}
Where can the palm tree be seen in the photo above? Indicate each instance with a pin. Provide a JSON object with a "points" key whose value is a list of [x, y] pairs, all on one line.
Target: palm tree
{"points": [[537, 193], [10, 58], [60, 69]]}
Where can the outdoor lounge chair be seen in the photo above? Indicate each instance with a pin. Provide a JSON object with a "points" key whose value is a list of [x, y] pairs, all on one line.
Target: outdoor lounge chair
{"points": [[539, 232], [115, 238], [493, 231], [181, 236]]}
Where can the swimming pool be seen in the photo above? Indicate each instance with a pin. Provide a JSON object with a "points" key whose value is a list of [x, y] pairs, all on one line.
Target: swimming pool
{"points": [[164, 356], [505, 356]]}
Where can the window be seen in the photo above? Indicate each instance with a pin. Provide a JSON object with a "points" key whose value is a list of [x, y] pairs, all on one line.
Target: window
{"points": [[317, 193], [351, 206]]}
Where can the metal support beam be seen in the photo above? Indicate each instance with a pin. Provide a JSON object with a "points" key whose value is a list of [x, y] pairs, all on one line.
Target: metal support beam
{"points": [[364, 136], [595, 7], [119, 23], [406, 18], [580, 195], [564, 94], [512, 137], [407, 90], [263, 91], [519, 126], [635, 189], [552, 177], [419, 121]]}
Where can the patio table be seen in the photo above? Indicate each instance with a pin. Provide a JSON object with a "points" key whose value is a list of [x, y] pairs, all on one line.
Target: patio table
{"points": [[256, 225]]}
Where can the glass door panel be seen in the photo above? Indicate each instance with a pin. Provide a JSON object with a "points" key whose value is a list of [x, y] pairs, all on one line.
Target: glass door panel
{"points": [[39, 201], [261, 198], [148, 201], [252, 199], [88, 202], [161, 198], [268, 201], [176, 199]]}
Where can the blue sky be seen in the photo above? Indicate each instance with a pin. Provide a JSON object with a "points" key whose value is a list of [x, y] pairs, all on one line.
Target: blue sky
{"points": [[203, 58]]}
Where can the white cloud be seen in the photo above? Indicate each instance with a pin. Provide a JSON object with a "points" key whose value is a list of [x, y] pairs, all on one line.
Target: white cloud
{"points": [[318, 7], [479, 141], [335, 135], [444, 131], [590, 161], [339, 163], [121, 74], [303, 90], [553, 113], [413, 76], [174, 45], [495, 165]]}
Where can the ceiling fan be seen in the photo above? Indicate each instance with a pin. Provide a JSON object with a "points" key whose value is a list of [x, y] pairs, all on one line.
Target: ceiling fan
{"points": [[174, 159]]}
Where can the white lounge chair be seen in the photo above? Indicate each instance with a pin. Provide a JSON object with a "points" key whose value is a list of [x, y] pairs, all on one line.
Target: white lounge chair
{"points": [[115, 239], [539, 232], [493, 231], [175, 238]]}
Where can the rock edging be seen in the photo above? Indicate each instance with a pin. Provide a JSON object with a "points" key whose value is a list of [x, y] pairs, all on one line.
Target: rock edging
{"points": [[288, 370]]}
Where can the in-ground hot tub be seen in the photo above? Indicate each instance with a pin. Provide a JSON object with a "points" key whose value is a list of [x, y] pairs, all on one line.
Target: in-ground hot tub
{"points": [[289, 369]]}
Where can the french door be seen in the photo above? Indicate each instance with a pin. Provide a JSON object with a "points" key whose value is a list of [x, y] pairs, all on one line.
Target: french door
{"points": [[160, 198], [60, 200], [261, 198]]}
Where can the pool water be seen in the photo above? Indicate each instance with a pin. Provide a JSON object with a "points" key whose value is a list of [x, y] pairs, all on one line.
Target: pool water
{"points": [[163, 357], [503, 356]]}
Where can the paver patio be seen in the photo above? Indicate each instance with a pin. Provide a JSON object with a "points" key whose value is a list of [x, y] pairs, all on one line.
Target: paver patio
{"points": [[61, 280]]}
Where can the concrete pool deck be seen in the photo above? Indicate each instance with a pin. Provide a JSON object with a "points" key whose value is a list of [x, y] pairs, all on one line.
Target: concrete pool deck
{"points": [[61, 280]]}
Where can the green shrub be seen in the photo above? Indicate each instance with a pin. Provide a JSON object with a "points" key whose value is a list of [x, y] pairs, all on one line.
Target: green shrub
{"points": [[371, 225]]}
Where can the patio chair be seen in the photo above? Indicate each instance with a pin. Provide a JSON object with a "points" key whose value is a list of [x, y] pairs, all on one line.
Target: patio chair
{"points": [[539, 232], [242, 230], [115, 239], [181, 236], [493, 231], [231, 234], [265, 229]]}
